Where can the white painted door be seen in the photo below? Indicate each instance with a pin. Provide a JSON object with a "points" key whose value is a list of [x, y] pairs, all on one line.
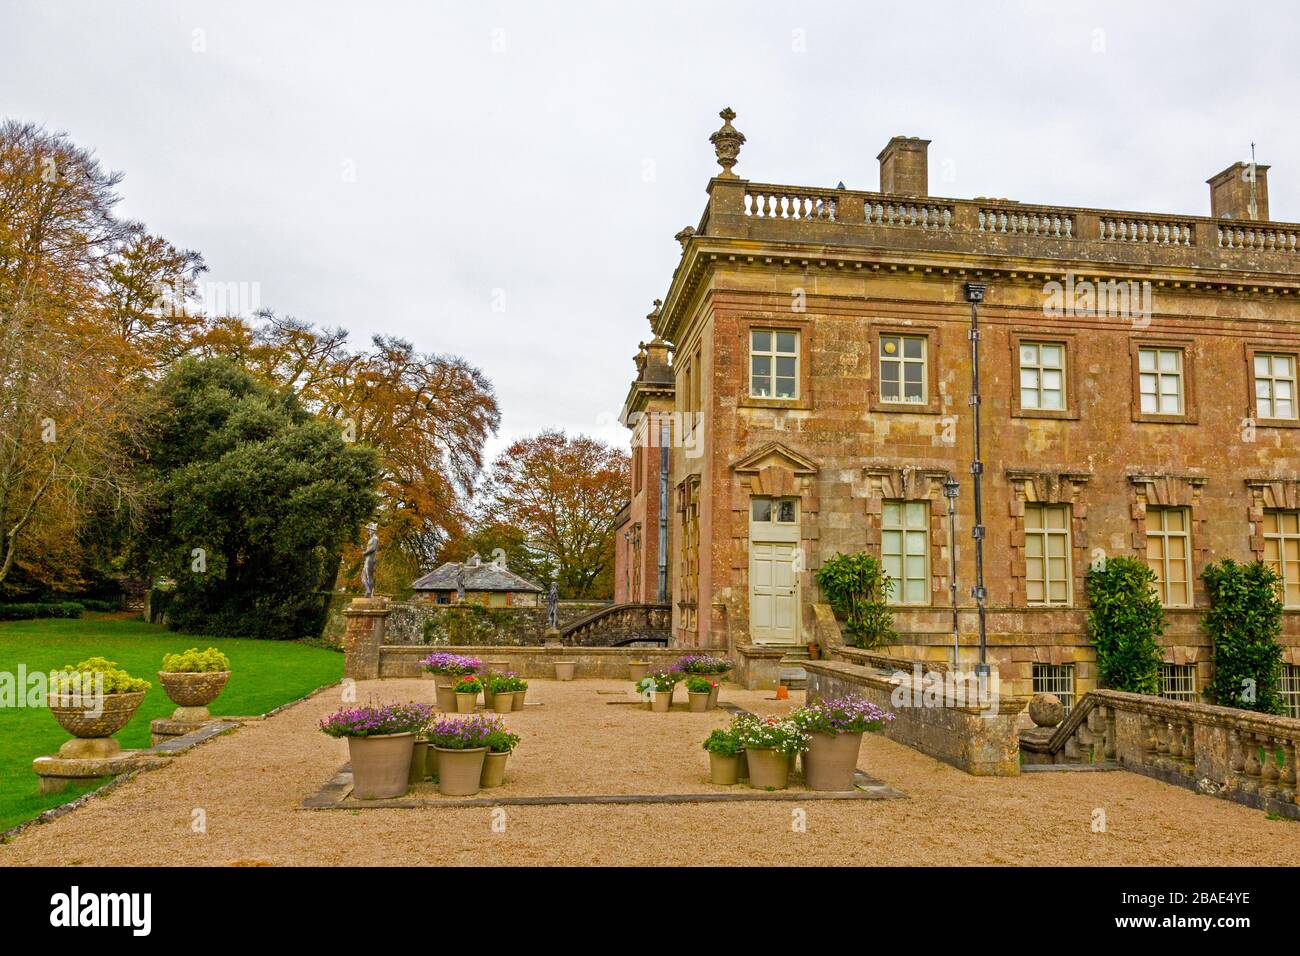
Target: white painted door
{"points": [[773, 593]]}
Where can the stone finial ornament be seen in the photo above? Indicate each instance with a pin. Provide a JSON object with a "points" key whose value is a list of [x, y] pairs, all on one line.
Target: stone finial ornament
{"points": [[726, 143], [1046, 710], [685, 236], [653, 315]]}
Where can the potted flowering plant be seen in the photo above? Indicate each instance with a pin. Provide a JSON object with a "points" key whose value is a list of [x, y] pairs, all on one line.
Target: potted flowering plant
{"points": [[381, 745], [835, 727], [705, 665], [520, 687], [499, 692], [467, 690], [461, 745], [501, 744], [724, 749], [698, 691], [657, 689], [446, 670], [92, 701], [771, 744], [193, 680]]}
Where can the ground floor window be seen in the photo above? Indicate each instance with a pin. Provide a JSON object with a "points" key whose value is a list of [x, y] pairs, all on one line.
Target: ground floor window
{"points": [[1056, 679], [1291, 689], [905, 550], [1178, 681]]}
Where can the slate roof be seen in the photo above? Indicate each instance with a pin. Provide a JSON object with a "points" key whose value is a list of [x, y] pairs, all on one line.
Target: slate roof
{"points": [[485, 577]]}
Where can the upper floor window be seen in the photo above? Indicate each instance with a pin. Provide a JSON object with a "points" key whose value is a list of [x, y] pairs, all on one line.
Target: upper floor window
{"points": [[903, 375], [1160, 381], [1042, 376], [905, 550], [1047, 554], [1275, 383], [773, 363], [1282, 551], [1169, 553]]}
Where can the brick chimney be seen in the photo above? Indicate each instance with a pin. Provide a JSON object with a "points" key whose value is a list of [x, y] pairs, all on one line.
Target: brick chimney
{"points": [[903, 167], [1230, 192]]}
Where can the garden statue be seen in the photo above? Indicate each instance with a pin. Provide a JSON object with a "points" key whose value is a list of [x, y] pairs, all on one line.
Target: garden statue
{"points": [[460, 584], [553, 608], [368, 561]]}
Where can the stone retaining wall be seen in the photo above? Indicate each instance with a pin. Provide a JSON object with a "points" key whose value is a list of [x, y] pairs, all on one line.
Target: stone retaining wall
{"points": [[608, 662]]}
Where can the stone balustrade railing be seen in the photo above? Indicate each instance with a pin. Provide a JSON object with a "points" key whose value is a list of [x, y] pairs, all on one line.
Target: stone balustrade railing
{"points": [[1234, 754], [917, 215], [620, 625], [1161, 232], [786, 202], [1265, 238], [1027, 222]]}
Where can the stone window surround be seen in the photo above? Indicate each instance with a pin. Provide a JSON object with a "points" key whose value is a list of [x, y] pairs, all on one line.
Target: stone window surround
{"points": [[688, 496], [1049, 488], [1173, 491], [933, 401], [802, 325], [1190, 413], [886, 482], [1269, 494], [1049, 337], [1267, 348]]}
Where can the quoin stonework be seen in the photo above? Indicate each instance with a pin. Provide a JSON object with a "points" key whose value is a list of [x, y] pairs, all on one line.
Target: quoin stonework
{"points": [[806, 392]]}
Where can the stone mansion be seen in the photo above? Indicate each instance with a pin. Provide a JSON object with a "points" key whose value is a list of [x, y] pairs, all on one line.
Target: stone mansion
{"points": [[806, 392]]}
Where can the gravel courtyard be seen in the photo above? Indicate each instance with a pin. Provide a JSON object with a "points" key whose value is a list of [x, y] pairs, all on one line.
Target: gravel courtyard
{"points": [[249, 786]]}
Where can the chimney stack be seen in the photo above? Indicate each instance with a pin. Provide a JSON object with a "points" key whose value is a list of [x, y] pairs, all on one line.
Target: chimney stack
{"points": [[903, 167], [1230, 192]]}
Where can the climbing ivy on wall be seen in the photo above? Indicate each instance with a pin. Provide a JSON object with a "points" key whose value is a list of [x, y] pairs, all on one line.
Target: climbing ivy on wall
{"points": [[1245, 622], [1125, 622]]}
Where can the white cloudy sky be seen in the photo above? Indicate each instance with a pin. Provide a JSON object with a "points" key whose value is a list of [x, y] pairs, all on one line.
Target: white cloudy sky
{"points": [[551, 150]]}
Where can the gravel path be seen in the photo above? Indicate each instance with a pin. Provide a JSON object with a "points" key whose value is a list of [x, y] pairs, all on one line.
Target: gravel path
{"points": [[249, 785]]}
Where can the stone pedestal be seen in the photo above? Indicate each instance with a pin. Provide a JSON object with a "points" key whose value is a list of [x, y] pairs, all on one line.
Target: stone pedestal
{"points": [[169, 728], [552, 637], [57, 772], [363, 636]]}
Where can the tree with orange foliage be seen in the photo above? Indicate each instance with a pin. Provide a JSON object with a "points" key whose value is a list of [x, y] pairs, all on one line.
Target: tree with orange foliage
{"points": [[564, 494]]}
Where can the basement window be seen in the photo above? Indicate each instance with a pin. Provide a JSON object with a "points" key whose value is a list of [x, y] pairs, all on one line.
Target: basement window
{"points": [[1178, 682], [1056, 679]]}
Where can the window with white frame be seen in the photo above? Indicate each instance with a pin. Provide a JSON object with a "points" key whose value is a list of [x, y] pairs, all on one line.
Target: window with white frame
{"points": [[1042, 376], [773, 510], [1169, 553], [905, 550], [1047, 554], [1178, 681], [1282, 552], [1056, 679], [1160, 381], [903, 369], [1291, 689], [1275, 385], [773, 363]]}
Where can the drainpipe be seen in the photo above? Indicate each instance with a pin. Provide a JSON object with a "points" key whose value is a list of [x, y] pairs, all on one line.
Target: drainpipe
{"points": [[975, 295], [664, 434]]}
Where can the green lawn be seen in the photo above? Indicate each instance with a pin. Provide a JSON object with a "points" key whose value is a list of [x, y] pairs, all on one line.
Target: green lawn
{"points": [[265, 674]]}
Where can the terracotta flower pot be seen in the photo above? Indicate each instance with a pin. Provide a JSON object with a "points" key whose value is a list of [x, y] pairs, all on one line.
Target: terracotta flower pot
{"points": [[724, 771], [86, 717], [459, 771], [636, 670], [503, 703], [661, 701], [193, 689], [814, 652], [381, 765], [564, 669], [419, 761], [465, 703], [830, 760], [519, 699], [768, 769], [698, 703], [494, 769], [446, 698]]}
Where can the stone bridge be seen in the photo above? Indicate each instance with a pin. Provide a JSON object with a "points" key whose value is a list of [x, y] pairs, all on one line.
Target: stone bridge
{"points": [[620, 625]]}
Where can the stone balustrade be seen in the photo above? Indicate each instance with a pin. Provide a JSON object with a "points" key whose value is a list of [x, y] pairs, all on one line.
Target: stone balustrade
{"points": [[1264, 238], [786, 202], [1233, 754], [1027, 222], [1161, 232], [916, 215]]}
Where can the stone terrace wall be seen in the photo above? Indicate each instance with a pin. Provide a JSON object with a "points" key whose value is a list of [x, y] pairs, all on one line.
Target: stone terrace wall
{"points": [[607, 662], [474, 625]]}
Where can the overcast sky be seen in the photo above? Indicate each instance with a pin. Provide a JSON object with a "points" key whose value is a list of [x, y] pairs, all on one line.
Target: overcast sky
{"points": [[408, 169]]}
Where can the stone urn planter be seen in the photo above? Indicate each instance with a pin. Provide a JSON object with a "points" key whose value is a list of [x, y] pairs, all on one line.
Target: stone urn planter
{"points": [[724, 771], [831, 760], [637, 669], [191, 692], [93, 721], [769, 769], [446, 693], [494, 769], [564, 669], [459, 771], [503, 703], [519, 699], [465, 703], [698, 702], [381, 765], [419, 761], [661, 701]]}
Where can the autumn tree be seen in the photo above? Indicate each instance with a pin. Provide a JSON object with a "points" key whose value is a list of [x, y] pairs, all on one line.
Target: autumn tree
{"points": [[564, 494]]}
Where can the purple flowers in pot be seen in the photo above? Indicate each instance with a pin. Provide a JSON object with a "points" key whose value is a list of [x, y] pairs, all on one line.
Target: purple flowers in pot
{"points": [[465, 733], [374, 721], [849, 714], [702, 664], [454, 664]]}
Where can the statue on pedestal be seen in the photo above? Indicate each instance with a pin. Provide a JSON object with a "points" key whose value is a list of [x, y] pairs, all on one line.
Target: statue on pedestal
{"points": [[553, 608], [368, 558]]}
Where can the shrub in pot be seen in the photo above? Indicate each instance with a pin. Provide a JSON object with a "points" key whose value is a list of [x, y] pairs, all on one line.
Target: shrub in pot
{"points": [[656, 688], [381, 745], [771, 744], [698, 692], [499, 693], [92, 701], [461, 745], [447, 669], [500, 745], [705, 665], [467, 690], [193, 680], [724, 749], [835, 727], [520, 687]]}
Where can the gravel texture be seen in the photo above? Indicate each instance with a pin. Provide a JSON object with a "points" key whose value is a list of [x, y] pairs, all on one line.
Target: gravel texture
{"points": [[249, 786]]}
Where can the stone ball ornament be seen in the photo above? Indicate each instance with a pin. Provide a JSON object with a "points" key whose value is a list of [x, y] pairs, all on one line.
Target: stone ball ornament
{"points": [[1046, 710]]}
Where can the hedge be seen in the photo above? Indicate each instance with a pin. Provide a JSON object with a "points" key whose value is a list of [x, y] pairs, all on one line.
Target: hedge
{"points": [[25, 612]]}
